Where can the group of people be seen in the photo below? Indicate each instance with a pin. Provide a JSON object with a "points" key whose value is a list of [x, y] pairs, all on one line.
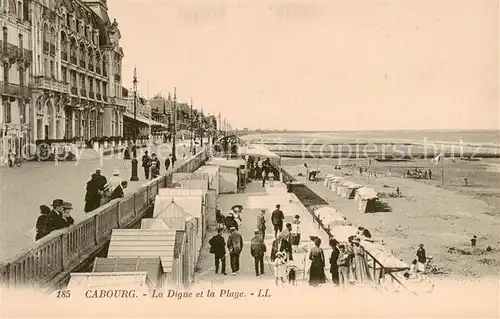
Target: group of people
{"points": [[419, 174], [261, 169], [53, 219], [100, 191], [151, 165]]}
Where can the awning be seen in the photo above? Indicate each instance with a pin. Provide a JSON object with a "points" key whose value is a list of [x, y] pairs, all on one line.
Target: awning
{"points": [[145, 120]]}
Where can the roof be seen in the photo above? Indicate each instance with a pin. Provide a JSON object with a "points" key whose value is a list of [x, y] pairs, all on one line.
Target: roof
{"points": [[162, 222], [192, 180], [190, 204], [179, 192], [342, 232], [226, 163], [349, 184], [144, 243], [144, 119], [88, 280], [211, 172], [367, 193], [255, 150], [152, 265]]}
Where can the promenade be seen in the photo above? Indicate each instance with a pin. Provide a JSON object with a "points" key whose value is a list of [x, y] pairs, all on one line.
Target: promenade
{"points": [[33, 184], [253, 200]]}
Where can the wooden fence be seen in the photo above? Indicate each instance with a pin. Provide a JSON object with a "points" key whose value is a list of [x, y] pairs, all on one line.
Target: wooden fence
{"points": [[64, 250]]}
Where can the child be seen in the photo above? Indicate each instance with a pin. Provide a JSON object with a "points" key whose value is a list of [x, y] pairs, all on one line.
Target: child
{"points": [[295, 233], [291, 274], [271, 178], [280, 267]]}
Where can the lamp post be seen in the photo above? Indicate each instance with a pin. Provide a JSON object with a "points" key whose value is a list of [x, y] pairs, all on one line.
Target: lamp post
{"points": [[202, 127], [191, 121], [134, 176], [174, 157]]}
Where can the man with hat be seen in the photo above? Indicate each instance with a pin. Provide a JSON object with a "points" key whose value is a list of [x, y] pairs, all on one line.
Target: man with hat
{"points": [[115, 185], [155, 169], [261, 224], [154, 159], [257, 250], [146, 163], [277, 218], [235, 246], [101, 180], [218, 248], [66, 219], [55, 215]]}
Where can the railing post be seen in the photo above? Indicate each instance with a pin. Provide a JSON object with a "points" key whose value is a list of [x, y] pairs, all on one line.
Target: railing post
{"points": [[135, 210], [375, 269], [96, 216], [64, 249], [118, 214]]}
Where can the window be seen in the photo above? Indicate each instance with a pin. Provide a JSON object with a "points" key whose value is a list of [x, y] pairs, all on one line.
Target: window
{"points": [[21, 77], [21, 41], [5, 73], [64, 75], [46, 67], [52, 74], [5, 33], [22, 112], [20, 10], [7, 113], [57, 70]]}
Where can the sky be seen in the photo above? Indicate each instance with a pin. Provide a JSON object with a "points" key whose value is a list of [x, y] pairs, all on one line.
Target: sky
{"points": [[368, 65]]}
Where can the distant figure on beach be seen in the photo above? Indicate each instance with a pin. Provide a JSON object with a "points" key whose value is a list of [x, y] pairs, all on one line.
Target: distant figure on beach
{"points": [[430, 174], [398, 192], [421, 258], [473, 241], [466, 181]]}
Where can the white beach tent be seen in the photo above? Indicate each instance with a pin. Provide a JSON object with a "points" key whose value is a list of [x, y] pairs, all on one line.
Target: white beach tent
{"points": [[366, 199], [228, 173]]}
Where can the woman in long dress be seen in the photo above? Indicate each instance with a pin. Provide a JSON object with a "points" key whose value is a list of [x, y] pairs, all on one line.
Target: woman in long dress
{"points": [[92, 195], [360, 264], [307, 248], [317, 270]]}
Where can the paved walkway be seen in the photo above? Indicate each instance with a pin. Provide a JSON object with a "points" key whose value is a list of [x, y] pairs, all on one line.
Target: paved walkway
{"points": [[33, 184], [253, 200]]}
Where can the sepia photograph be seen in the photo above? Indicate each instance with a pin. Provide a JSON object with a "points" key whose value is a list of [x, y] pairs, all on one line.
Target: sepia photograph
{"points": [[227, 159]]}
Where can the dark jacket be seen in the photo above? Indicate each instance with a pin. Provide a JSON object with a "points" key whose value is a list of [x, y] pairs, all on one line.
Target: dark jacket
{"points": [[54, 221], [93, 196], [155, 172], [42, 226], [233, 240], [167, 163], [217, 245], [101, 182], [57, 222], [277, 217], [146, 161], [334, 257], [257, 247]]}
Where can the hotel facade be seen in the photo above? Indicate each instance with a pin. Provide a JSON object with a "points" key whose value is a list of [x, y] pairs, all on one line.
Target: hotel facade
{"points": [[62, 62]]}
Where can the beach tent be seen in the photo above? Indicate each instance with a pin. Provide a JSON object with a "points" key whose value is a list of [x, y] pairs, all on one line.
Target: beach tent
{"points": [[330, 217], [366, 199], [261, 151], [151, 265], [341, 186], [349, 190], [229, 174], [335, 182], [165, 244], [342, 232], [85, 281], [328, 180]]}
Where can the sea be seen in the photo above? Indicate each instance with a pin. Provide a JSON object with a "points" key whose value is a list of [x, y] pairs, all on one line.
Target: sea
{"points": [[490, 138]]}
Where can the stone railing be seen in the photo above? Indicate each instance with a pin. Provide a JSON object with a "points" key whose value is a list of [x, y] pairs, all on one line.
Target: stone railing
{"points": [[51, 84], [46, 262]]}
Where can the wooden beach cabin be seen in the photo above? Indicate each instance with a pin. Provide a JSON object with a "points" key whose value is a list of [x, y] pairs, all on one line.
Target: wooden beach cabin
{"points": [[231, 174], [212, 193], [174, 217], [366, 199], [151, 265], [190, 204], [191, 181], [335, 182], [168, 245], [138, 281], [328, 180], [213, 176]]}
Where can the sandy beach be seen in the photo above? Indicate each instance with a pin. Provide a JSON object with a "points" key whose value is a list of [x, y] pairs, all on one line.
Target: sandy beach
{"points": [[443, 218]]}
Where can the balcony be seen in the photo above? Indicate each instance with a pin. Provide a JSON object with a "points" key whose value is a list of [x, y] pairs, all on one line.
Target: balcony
{"points": [[83, 93], [45, 47], [105, 98], [119, 101], [117, 77], [74, 90], [82, 63], [98, 70], [91, 67], [51, 85], [64, 56], [15, 90], [53, 49], [91, 94], [98, 96], [73, 59], [15, 53]]}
